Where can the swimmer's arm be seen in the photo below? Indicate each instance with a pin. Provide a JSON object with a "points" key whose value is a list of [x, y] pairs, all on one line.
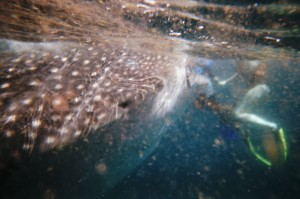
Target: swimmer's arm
{"points": [[224, 82], [256, 119]]}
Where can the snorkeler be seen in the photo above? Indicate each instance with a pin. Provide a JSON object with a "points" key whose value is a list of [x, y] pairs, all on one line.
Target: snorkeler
{"points": [[240, 117]]}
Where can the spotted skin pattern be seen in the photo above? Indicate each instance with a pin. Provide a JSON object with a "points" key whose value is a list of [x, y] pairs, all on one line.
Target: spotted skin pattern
{"points": [[50, 98]]}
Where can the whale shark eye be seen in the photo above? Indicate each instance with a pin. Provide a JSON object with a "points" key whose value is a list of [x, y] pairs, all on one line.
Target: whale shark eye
{"points": [[124, 104]]}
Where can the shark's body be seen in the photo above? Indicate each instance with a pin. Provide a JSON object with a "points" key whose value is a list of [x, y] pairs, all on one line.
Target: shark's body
{"points": [[101, 99], [53, 94]]}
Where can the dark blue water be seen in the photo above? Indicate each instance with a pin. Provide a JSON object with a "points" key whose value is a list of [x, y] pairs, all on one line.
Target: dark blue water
{"points": [[190, 161]]}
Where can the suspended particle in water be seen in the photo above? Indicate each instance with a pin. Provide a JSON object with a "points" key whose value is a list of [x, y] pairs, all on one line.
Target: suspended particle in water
{"points": [[101, 168]]}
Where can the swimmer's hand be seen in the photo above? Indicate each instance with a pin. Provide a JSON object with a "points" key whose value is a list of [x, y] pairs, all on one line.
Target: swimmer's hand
{"points": [[222, 83], [273, 126]]}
